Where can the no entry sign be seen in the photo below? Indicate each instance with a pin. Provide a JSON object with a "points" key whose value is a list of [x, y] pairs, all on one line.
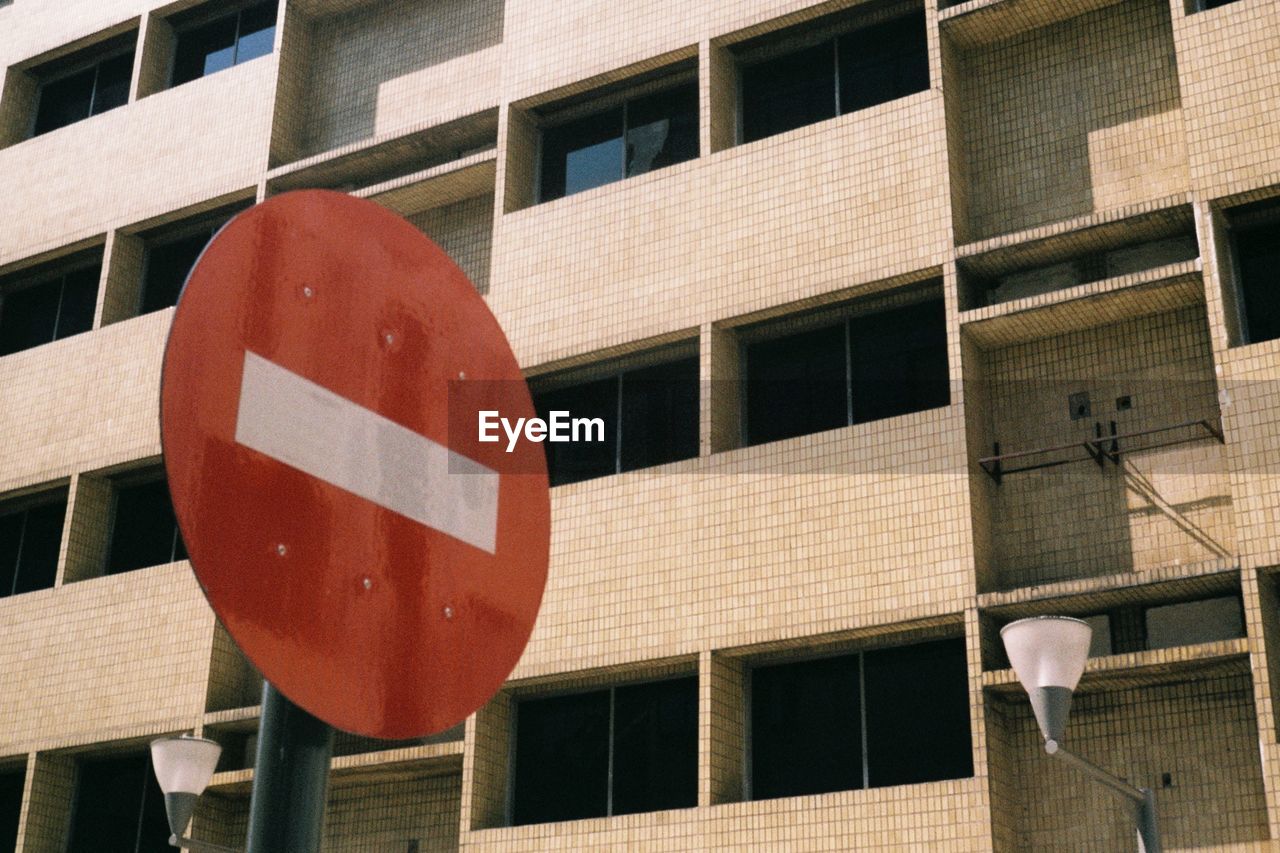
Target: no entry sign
{"points": [[381, 569]]}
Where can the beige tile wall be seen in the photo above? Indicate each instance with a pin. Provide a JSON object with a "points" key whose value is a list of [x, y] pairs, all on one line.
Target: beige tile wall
{"points": [[1192, 732], [386, 66], [1229, 70], [1080, 116], [103, 658], [766, 199], [1160, 507], [221, 122]]}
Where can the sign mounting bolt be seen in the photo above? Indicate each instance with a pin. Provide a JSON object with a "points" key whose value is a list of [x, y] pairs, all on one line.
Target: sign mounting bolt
{"points": [[448, 612], [368, 584], [281, 549], [308, 292]]}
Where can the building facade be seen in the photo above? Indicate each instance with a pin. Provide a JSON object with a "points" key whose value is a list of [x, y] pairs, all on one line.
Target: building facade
{"points": [[913, 319]]}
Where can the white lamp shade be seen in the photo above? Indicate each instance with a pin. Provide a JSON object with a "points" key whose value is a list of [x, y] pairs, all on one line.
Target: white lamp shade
{"points": [[1047, 651], [184, 765]]}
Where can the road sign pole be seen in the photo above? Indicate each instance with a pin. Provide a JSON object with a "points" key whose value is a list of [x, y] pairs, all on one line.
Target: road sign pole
{"points": [[291, 778]]}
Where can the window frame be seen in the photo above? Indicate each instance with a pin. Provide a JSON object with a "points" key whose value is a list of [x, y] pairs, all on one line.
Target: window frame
{"points": [[1197, 6], [1247, 216], [615, 370], [176, 231], [147, 780], [92, 56], [47, 495], [46, 274], [563, 111], [1137, 618], [679, 673], [843, 314], [127, 480], [17, 772], [889, 643], [189, 20], [825, 29]]}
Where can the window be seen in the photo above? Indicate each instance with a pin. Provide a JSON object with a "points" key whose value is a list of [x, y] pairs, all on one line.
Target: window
{"points": [[608, 752], [1136, 628], [84, 87], [1191, 622], [640, 135], [36, 310], [118, 807], [11, 782], [1205, 5], [30, 538], [144, 531], [171, 254], [800, 80], [892, 716], [862, 369], [206, 47], [650, 417], [1255, 244]]}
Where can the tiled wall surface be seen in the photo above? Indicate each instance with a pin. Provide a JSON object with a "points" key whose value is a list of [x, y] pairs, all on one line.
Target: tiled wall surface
{"points": [[221, 122], [1079, 116], [385, 66], [1043, 122]]}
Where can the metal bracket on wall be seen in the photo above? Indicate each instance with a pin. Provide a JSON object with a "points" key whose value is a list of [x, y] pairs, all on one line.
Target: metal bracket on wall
{"points": [[1100, 449]]}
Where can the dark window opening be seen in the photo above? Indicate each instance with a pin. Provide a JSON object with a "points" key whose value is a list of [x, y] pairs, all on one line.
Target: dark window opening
{"points": [[918, 696], [216, 45], [144, 530], [649, 417], [171, 255], [30, 539], [48, 309], [866, 368], [851, 72], [642, 135], [168, 265], [83, 93], [618, 751], [1257, 256], [11, 783], [806, 728], [892, 716], [1206, 5], [118, 807], [573, 461]]}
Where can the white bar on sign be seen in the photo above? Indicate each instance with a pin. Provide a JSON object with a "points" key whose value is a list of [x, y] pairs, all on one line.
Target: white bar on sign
{"points": [[295, 421]]}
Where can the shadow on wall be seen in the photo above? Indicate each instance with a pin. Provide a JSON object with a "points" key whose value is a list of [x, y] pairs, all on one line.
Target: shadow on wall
{"points": [[1164, 500], [1195, 743], [1080, 116], [362, 64]]}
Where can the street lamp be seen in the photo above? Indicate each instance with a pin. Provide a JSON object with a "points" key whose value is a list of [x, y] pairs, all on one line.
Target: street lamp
{"points": [[184, 765], [1048, 654]]}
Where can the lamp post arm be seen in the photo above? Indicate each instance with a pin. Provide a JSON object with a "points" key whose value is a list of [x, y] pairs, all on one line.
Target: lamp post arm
{"points": [[1093, 771], [1142, 801], [199, 846]]}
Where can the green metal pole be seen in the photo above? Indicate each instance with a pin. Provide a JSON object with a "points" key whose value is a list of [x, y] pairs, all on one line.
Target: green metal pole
{"points": [[290, 779]]}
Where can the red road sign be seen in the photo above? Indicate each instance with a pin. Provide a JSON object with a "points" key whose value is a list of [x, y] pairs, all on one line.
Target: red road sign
{"points": [[382, 570]]}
